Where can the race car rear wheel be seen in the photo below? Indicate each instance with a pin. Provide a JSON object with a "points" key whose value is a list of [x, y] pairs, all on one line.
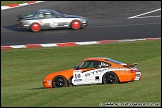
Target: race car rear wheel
{"points": [[35, 27], [59, 81], [110, 78], [75, 25]]}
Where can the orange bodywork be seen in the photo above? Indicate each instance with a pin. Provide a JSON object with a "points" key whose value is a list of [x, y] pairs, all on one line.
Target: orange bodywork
{"points": [[66, 73], [123, 75]]}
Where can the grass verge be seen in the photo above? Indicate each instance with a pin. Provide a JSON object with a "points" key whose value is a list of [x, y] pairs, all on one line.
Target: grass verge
{"points": [[23, 70]]}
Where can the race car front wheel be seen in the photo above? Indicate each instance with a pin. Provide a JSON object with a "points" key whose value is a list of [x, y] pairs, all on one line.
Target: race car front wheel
{"points": [[110, 78], [59, 81], [35, 27], [75, 25]]}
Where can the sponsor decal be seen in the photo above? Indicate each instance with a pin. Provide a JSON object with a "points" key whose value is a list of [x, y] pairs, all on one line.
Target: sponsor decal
{"points": [[53, 24], [76, 80], [87, 74], [94, 72]]}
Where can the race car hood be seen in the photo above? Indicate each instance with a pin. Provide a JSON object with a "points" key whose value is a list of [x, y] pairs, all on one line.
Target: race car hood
{"points": [[66, 73]]}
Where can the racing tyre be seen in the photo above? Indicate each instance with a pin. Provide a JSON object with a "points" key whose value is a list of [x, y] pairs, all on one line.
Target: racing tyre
{"points": [[35, 27], [59, 81], [76, 24], [110, 78]]}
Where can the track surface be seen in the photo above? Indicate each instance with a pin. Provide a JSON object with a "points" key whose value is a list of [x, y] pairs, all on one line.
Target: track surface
{"points": [[107, 20]]}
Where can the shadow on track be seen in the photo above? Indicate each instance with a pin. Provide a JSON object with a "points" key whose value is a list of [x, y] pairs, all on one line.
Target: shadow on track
{"points": [[14, 27], [38, 88]]}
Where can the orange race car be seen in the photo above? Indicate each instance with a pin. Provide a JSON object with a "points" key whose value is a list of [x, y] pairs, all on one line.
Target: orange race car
{"points": [[94, 70]]}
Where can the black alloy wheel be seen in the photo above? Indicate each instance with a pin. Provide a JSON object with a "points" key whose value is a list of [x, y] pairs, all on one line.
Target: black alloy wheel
{"points": [[59, 81], [110, 78]]}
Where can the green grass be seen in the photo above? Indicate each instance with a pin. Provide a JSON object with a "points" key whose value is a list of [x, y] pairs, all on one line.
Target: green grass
{"points": [[3, 3], [23, 70]]}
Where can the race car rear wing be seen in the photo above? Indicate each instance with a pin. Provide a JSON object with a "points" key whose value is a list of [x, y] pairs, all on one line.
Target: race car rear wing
{"points": [[130, 65]]}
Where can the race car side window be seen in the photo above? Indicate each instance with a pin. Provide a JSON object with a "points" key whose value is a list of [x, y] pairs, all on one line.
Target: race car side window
{"points": [[41, 15], [104, 64], [94, 64], [90, 64], [85, 64], [50, 15], [53, 15]]}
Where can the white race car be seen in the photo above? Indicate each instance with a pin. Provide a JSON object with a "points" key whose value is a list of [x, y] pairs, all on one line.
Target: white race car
{"points": [[50, 19]]}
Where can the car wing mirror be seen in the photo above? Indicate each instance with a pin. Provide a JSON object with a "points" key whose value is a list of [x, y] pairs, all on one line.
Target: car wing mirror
{"points": [[76, 67]]}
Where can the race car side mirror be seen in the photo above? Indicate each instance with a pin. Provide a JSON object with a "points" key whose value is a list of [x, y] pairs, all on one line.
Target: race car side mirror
{"points": [[76, 67]]}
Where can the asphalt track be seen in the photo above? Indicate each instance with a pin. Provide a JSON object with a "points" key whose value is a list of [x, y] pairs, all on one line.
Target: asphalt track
{"points": [[108, 20]]}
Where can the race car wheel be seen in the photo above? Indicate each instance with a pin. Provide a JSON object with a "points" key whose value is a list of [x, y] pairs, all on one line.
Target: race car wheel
{"points": [[75, 25], [59, 81], [110, 78], [35, 27]]}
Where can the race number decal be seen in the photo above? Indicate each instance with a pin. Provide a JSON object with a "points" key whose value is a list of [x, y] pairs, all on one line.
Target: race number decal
{"points": [[53, 24], [77, 75]]}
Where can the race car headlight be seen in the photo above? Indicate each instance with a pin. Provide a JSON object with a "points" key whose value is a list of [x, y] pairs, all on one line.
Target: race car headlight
{"points": [[49, 82]]}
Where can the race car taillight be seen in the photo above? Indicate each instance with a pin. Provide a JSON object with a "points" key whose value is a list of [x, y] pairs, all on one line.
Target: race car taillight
{"points": [[138, 74], [136, 70], [20, 21]]}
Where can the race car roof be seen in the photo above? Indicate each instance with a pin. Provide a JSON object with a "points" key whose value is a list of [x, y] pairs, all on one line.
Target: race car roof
{"points": [[104, 59], [45, 10]]}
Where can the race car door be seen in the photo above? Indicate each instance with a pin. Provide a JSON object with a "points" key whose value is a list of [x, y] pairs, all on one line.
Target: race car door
{"points": [[88, 73], [53, 21]]}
